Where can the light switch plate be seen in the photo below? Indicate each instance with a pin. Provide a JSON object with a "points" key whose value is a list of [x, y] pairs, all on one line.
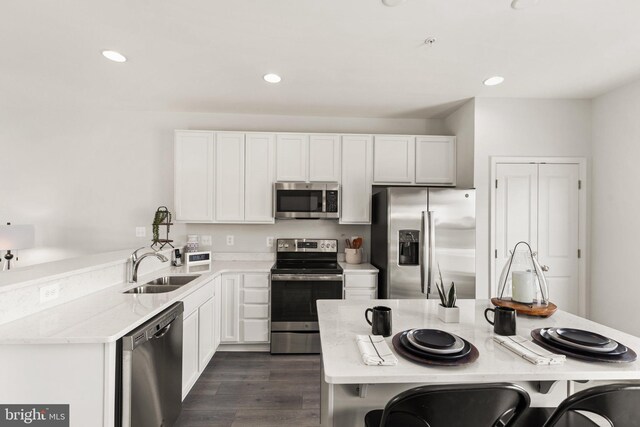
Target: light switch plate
{"points": [[50, 292], [269, 242], [141, 231], [230, 240], [205, 239]]}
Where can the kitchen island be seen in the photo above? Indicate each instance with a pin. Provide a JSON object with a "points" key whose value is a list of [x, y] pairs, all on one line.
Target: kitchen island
{"points": [[350, 388]]}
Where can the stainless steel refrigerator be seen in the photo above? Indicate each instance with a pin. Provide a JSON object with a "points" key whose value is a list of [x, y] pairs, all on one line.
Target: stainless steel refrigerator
{"points": [[415, 230]]}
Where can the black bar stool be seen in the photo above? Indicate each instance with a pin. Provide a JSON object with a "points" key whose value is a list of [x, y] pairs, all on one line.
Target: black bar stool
{"points": [[461, 405]]}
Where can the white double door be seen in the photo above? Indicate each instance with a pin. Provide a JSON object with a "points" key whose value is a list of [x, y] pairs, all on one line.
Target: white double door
{"points": [[540, 204]]}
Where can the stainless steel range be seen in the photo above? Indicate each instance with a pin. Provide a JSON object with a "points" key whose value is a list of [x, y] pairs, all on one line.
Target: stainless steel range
{"points": [[305, 271]]}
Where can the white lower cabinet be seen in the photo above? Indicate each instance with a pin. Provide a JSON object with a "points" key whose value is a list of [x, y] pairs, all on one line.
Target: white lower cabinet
{"points": [[189, 352], [360, 286], [200, 331], [245, 312]]}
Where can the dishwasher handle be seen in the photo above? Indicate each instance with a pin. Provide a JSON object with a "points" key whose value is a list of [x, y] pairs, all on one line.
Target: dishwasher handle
{"points": [[162, 332]]}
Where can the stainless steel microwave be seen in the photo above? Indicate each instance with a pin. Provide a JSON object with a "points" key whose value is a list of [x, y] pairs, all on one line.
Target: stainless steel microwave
{"points": [[307, 201]]}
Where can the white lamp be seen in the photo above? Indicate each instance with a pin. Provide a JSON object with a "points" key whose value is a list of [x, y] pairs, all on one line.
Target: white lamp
{"points": [[13, 237]]}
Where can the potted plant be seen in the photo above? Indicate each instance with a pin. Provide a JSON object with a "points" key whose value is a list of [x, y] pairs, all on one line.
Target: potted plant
{"points": [[448, 312]]}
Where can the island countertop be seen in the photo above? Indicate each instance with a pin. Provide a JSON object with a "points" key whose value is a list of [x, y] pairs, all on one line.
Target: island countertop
{"points": [[340, 321]]}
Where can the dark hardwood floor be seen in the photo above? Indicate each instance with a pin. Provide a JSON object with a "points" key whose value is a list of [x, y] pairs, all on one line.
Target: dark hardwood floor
{"points": [[255, 389]]}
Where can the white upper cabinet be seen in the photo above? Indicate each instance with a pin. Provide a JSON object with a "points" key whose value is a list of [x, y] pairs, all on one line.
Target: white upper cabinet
{"points": [[393, 158], [357, 165], [259, 177], [229, 180], [193, 175], [324, 158], [292, 157], [436, 160]]}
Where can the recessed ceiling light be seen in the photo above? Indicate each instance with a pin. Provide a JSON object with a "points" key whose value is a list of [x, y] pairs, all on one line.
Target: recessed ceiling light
{"points": [[392, 3], [114, 56], [272, 78], [493, 81], [523, 4]]}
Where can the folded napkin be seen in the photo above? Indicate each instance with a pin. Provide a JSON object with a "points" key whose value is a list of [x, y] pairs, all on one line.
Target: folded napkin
{"points": [[375, 351], [529, 350]]}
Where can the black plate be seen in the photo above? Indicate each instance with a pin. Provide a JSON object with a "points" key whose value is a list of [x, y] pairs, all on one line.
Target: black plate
{"points": [[582, 337], [434, 338], [629, 356], [620, 350], [417, 352]]}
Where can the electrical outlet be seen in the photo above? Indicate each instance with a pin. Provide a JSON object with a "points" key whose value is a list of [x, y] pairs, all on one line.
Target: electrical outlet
{"points": [[229, 240], [205, 239], [270, 242], [49, 293], [141, 231]]}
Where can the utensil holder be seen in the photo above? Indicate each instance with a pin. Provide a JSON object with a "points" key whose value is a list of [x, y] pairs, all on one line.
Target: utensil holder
{"points": [[449, 314], [353, 256]]}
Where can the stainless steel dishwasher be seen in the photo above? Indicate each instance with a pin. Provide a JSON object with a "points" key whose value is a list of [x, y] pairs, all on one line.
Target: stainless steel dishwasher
{"points": [[151, 366]]}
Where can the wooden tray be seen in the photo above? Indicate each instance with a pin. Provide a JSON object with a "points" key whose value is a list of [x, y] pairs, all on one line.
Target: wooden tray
{"points": [[629, 356], [529, 310], [469, 358]]}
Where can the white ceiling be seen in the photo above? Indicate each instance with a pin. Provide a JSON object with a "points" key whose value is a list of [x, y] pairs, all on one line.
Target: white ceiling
{"points": [[337, 57]]}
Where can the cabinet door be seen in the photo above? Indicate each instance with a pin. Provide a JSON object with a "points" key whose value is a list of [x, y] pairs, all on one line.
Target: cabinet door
{"points": [[229, 154], [255, 330], [205, 333], [189, 352], [193, 175], [292, 156], [393, 159], [357, 165], [436, 160], [259, 177], [324, 158], [217, 313], [230, 324]]}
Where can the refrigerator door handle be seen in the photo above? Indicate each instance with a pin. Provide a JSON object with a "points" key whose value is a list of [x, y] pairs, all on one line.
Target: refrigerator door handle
{"points": [[432, 249], [424, 256]]}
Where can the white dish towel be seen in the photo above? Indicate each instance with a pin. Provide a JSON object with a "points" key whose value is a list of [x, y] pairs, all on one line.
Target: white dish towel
{"points": [[529, 351], [375, 351]]}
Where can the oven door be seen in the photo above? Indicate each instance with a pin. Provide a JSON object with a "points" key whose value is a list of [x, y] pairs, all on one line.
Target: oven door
{"points": [[293, 299], [294, 200]]}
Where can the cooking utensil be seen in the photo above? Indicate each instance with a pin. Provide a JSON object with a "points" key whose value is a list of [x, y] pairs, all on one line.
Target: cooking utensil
{"points": [[357, 243], [348, 243]]}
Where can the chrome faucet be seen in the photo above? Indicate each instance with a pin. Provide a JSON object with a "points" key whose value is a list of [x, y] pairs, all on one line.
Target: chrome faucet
{"points": [[135, 260]]}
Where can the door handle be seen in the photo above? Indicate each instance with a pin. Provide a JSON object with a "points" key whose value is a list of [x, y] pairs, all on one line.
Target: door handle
{"points": [[162, 332], [544, 268]]}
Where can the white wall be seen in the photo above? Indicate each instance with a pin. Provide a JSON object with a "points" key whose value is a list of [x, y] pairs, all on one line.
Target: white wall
{"points": [[461, 123], [615, 229], [521, 127], [86, 179]]}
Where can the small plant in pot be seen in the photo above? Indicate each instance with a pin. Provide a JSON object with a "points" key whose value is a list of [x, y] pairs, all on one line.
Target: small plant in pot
{"points": [[448, 312]]}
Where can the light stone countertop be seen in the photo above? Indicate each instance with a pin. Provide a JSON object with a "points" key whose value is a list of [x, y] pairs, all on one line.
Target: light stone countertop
{"points": [[106, 315], [340, 322], [364, 268]]}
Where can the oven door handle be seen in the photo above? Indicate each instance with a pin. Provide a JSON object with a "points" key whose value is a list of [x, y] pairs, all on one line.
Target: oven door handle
{"points": [[306, 277]]}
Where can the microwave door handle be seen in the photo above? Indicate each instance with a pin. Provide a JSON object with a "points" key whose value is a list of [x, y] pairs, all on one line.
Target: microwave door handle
{"points": [[324, 200]]}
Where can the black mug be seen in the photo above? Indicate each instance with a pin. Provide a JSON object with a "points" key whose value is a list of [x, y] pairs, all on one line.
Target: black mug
{"points": [[504, 320], [381, 320]]}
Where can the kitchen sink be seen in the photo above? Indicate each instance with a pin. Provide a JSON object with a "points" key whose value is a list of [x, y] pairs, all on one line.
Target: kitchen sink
{"points": [[162, 285]]}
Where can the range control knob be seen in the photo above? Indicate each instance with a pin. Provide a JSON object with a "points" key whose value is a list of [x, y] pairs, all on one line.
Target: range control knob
{"points": [[333, 245], [322, 246]]}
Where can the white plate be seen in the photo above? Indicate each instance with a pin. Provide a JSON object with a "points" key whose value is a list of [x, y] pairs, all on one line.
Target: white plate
{"points": [[604, 349], [455, 348]]}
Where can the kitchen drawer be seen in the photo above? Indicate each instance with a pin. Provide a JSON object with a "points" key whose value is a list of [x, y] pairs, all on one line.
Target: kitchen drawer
{"points": [[260, 280], [256, 311], [256, 296], [360, 294], [197, 298], [360, 281], [255, 330]]}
